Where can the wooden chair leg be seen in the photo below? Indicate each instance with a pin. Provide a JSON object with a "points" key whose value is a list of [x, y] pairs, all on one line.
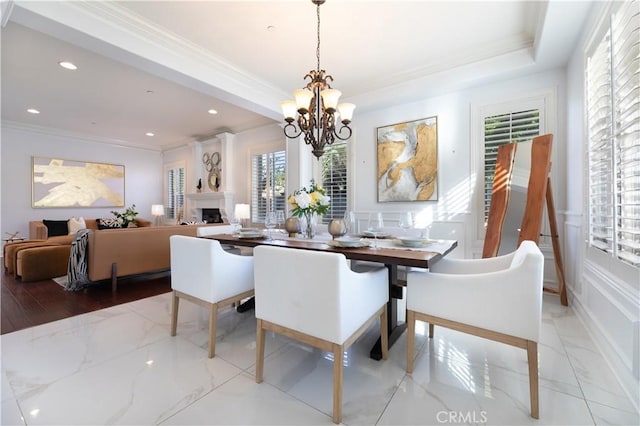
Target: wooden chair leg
{"points": [[259, 351], [431, 327], [337, 383], [411, 334], [175, 301], [532, 359], [384, 334], [213, 316]]}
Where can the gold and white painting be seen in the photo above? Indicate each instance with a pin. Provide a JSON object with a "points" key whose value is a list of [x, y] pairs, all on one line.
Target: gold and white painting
{"points": [[408, 161], [70, 183]]}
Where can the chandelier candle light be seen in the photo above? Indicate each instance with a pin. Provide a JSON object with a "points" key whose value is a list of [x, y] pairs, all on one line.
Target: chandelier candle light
{"points": [[317, 108]]}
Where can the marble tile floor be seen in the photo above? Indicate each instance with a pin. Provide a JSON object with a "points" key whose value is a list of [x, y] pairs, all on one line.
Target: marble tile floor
{"points": [[120, 366]]}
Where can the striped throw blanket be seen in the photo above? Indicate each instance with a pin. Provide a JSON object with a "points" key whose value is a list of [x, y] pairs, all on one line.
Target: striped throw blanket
{"points": [[77, 277]]}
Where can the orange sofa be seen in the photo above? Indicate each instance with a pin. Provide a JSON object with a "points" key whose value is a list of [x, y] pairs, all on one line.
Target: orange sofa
{"points": [[111, 253]]}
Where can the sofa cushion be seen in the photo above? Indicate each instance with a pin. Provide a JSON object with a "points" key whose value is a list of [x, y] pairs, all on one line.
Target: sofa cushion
{"points": [[56, 227], [108, 223], [76, 224]]}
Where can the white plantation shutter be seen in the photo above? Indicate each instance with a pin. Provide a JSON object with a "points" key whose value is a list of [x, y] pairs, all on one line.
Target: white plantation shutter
{"points": [[334, 179], [268, 174], [175, 191], [613, 102], [521, 126], [626, 95], [600, 146]]}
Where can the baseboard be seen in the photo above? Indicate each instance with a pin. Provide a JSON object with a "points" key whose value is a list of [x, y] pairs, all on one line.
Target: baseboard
{"points": [[629, 384]]}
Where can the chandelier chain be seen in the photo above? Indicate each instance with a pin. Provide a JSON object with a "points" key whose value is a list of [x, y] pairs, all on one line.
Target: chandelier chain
{"points": [[318, 35]]}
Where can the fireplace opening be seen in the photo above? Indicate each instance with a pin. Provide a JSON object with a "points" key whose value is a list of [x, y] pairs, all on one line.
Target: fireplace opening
{"points": [[211, 216]]}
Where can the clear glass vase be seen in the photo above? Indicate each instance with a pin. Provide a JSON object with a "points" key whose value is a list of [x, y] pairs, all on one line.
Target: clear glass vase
{"points": [[310, 225]]}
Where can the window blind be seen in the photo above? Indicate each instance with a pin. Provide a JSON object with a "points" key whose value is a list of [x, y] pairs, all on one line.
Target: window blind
{"points": [[613, 114], [626, 94], [175, 191], [500, 129], [600, 143], [268, 178], [334, 180]]}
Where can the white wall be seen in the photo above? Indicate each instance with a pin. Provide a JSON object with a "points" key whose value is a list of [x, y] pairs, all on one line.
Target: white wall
{"points": [[604, 292], [456, 181], [143, 175]]}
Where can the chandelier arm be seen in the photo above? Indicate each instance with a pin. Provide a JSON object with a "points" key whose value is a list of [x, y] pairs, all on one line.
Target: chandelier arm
{"points": [[339, 132], [296, 131]]}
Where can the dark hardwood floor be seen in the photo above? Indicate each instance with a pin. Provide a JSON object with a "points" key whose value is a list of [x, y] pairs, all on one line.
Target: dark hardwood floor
{"points": [[25, 305]]}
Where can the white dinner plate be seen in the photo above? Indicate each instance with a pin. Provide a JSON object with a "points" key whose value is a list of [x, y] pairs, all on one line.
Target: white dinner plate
{"points": [[414, 242], [354, 243], [251, 235], [370, 234]]}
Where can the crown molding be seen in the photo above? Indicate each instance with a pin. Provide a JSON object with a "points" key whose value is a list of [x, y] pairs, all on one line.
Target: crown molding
{"points": [[51, 131], [5, 11], [152, 48]]}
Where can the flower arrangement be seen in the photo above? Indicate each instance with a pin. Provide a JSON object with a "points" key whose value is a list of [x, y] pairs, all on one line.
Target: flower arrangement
{"points": [[310, 200], [305, 202], [127, 217]]}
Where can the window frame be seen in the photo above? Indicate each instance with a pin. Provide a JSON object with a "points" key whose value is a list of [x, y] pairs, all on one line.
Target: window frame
{"points": [[168, 206], [266, 150], [546, 102], [608, 253], [317, 175]]}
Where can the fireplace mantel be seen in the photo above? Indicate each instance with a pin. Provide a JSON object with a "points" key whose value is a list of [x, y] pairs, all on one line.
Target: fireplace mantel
{"points": [[210, 200]]}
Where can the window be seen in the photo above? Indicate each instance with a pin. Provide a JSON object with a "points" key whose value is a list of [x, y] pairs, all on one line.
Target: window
{"points": [[175, 179], [520, 126], [268, 183], [334, 179], [613, 120]]}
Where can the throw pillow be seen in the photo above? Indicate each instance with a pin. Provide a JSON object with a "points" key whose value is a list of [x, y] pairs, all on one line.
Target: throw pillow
{"points": [[76, 225], [108, 223], [193, 222], [56, 228]]}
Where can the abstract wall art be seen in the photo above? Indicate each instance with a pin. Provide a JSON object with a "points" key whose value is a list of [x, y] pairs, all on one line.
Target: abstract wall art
{"points": [[408, 161], [71, 183]]}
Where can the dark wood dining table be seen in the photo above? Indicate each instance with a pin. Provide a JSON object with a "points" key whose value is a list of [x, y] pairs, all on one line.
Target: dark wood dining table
{"points": [[391, 258]]}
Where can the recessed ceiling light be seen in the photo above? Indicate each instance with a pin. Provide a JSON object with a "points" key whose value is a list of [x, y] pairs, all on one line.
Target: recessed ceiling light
{"points": [[33, 111], [212, 111], [149, 134], [68, 65]]}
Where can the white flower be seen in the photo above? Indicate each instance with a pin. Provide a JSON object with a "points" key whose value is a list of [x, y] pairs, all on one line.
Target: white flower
{"points": [[303, 200], [324, 200]]}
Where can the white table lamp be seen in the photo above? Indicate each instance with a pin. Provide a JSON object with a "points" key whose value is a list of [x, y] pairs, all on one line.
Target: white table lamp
{"points": [[157, 210]]}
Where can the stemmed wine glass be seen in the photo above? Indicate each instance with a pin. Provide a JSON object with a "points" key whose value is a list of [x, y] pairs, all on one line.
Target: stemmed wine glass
{"points": [[270, 222], [280, 218], [406, 222], [376, 225]]}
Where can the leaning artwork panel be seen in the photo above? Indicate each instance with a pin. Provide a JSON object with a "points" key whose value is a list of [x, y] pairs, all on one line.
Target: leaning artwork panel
{"points": [[70, 183], [408, 161]]}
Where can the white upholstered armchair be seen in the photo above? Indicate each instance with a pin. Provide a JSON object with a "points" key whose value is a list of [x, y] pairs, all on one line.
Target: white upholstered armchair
{"points": [[204, 273], [496, 298], [315, 298]]}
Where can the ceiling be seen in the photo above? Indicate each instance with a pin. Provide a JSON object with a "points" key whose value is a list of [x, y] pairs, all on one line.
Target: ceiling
{"points": [[158, 66]]}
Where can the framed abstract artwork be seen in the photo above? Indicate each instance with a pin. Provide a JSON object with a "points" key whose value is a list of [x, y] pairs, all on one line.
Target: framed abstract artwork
{"points": [[408, 161], [70, 183]]}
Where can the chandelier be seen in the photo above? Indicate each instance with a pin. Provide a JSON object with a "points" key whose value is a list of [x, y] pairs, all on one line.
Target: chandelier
{"points": [[316, 107]]}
